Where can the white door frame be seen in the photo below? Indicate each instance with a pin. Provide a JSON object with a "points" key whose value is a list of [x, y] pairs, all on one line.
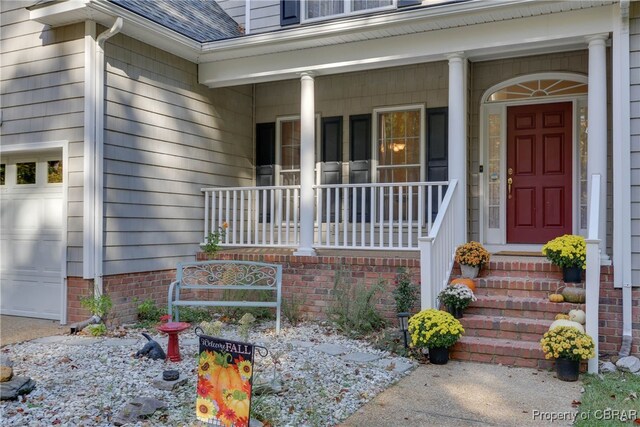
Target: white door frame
{"points": [[483, 195], [31, 149]]}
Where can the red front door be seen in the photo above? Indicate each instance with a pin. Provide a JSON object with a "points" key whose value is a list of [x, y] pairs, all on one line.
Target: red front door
{"points": [[539, 172]]}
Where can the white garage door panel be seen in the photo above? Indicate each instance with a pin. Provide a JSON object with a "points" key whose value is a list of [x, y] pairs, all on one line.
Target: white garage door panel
{"points": [[35, 296], [31, 225]]}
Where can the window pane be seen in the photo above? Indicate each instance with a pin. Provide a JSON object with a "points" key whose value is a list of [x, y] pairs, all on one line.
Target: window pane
{"points": [[370, 4], [54, 171], [2, 168], [399, 144], [26, 173], [319, 8]]}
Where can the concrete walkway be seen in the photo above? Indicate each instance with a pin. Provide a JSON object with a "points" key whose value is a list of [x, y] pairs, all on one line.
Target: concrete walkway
{"points": [[15, 329], [471, 394]]}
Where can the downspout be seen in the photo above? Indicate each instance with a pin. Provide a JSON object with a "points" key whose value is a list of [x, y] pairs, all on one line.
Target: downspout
{"points": [[622, 27], [99, 153]]}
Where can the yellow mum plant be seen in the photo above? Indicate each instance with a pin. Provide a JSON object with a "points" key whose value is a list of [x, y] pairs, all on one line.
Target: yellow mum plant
{"points": [[434, 328], [566, 251], [473, 254], [567, 342]]}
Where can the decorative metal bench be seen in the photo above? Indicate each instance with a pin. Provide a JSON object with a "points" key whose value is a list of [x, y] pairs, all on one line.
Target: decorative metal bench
{"points": [[225, 275]]}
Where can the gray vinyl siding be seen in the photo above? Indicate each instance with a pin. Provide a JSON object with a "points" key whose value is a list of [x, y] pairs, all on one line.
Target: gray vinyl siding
{"points": [[634, 65], [265, 16], [42, 92], [235, 9], [166, 137]]}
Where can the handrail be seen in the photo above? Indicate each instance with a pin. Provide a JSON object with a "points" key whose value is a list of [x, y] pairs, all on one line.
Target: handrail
{"points": [[592, 274], [437, 250]]}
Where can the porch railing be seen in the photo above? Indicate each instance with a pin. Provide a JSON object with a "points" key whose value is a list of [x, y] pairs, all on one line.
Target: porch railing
{"points": [[390, 216], [437, 250], [255, 216], [346, 216], [592, 274]]}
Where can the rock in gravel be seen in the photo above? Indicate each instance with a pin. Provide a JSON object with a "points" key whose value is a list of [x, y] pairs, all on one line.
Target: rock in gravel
{"points": [[10, 390], [607, 367], [6, 372], [138, 408], [162, 384], [628, 364], [5, 361]]}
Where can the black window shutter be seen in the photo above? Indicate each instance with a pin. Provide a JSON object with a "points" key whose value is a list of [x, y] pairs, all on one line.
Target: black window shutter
{"points": [[331, 159], [405, 3], [289, 12], [437, 144], [437, 149], [360, 159], [265, 158]]}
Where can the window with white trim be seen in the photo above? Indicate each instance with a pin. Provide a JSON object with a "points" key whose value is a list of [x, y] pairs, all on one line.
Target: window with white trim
{"points": [[322, 9], [289, 151]]}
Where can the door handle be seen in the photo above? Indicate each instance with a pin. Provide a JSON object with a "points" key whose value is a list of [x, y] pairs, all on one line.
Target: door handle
{"points": [[509, 182]]}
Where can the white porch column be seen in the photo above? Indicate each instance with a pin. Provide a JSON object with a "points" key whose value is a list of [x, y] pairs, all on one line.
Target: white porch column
{"points": [[597, 129], [458, 140], [307, 163]]}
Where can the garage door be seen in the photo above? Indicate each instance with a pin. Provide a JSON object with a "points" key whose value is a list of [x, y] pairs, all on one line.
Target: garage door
{"points": [[31, 225]]}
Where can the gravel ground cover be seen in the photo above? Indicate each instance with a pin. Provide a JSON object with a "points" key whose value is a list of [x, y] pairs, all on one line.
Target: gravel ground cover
{"points": [[86, 383]]}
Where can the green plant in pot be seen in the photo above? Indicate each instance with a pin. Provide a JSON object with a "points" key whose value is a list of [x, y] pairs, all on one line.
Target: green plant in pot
{"points": [[456, 298], [568, 345], [436, 331], [570, 253]]}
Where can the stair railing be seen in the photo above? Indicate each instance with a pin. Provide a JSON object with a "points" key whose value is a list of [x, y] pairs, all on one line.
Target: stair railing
{"points": [[592, 273], [437, 250]]}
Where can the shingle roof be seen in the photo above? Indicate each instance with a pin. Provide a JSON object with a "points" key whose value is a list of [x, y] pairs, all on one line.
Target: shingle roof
{"points": [[200, 20]]}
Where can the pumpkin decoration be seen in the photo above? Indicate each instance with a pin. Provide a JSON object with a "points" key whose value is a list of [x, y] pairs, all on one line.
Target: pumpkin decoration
{"points": [[469, 283], [224, 376], [563, 316], [556, 298], [574, 295], [570, 323], [577, 316]]}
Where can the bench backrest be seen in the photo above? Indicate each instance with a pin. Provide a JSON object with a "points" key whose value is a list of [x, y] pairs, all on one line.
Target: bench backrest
{"points": [[229, 273]]}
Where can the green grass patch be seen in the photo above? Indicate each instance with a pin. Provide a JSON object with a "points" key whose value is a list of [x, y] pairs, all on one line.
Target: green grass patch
{"points": [[610, 400]]}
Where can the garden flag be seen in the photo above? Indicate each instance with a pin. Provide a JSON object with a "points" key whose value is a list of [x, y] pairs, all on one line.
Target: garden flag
{"points": [[225, 370]]}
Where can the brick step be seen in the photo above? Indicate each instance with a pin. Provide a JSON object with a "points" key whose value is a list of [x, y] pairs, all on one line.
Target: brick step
{"points": [[494, 350], [509, 328], [517, 286], [528, 308]]}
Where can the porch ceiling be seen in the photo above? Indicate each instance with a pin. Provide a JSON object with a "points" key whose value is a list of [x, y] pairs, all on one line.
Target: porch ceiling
{"points": [[542, 33]]}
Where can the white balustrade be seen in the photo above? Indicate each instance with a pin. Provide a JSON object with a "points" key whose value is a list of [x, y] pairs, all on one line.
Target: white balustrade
{"points": [[390, 216], [255, 216], [347, 216], [437, 250]]}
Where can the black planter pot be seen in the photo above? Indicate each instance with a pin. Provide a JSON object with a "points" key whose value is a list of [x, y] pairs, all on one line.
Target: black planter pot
{"points": [[567, 369], [439, 355], [572, 274], [456, 312]]}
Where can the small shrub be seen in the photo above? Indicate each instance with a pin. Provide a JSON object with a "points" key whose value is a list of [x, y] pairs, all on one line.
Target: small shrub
{"points": [[405, 293], [292, 309], [99, 306], [148, 312], [212, 245], [213, 329], [97, 330], [194, 314], [353, 310]]}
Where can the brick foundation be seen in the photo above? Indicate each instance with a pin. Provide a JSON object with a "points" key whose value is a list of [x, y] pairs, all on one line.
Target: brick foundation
{"points": [[610, 317], [312, 279]]}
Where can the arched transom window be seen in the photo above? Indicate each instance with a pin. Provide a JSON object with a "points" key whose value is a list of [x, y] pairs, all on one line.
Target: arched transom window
{"points": [[538, 88]]}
